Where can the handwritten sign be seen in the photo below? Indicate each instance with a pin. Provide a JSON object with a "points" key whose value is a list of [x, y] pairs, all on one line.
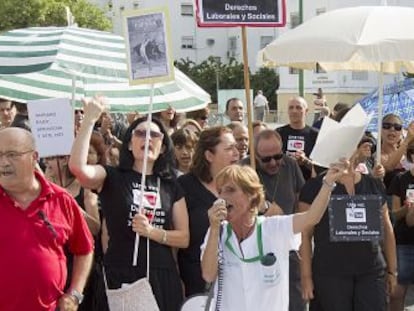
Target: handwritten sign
{"points": [[52, 125], [355, 218]]}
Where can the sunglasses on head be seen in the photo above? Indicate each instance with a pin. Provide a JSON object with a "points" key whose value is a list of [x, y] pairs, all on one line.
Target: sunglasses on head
{"points": [[275, 157], [142, 133], [387, 126]]}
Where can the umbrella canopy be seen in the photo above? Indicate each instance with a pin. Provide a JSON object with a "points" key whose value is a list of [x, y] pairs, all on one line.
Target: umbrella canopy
{"points": [[371, 38], [398, 99], [72, 62], [375, 38]]}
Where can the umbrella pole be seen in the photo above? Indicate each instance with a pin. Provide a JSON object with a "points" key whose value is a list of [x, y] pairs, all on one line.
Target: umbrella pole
{"points": [[143, 176], [380, 102]]}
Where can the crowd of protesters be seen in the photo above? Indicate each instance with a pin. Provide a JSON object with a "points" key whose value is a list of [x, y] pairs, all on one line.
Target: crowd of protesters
{"points": [[209, 216]]}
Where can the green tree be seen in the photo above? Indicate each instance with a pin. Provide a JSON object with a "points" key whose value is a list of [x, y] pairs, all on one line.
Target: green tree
{"points": [[29, 13], [230, 76], [267, 80]]}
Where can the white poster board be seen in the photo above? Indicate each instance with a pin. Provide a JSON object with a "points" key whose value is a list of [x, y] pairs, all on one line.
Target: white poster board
{"points": [[52, 126], [340, 139]]}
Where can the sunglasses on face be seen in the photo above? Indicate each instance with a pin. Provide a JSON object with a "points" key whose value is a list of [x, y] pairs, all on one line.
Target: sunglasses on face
{"points": [[153, 134], [387, 126], [275, 157], [203, 118]]}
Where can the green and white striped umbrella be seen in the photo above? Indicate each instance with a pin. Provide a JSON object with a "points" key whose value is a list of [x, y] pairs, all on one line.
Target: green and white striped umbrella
{"points": [[72, 62]]}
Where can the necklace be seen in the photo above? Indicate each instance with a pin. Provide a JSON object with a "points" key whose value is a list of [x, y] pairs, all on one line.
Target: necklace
{"points": [[275, 185]]}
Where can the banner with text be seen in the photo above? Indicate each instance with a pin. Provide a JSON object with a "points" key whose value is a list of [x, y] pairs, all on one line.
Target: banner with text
{"points": [[228, 13]]}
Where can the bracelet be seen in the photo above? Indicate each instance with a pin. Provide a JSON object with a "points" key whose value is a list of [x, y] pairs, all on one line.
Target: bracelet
{"points": [[164, 236], [330, 186], [395, 274]]}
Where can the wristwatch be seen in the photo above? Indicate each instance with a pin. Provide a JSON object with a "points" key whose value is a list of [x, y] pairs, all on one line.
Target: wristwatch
{"points": [[78, 296]]}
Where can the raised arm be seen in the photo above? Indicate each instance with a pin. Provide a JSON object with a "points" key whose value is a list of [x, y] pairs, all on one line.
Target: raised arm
{"points": [[391, 161], [311, 217], [90, 176]]}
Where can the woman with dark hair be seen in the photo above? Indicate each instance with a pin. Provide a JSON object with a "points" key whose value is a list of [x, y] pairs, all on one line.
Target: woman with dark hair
{"points": [[215, 150], [201, 116], [402, 190], [394, 146], [120, 192], [169, 119], [184, 142]]}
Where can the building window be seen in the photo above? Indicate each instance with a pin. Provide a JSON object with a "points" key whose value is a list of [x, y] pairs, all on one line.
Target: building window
{"points": [[320, 11], [293, 71], [360, 75], [265, 40], [187, 9], [187, 42], [233, 43], [319, 69], [294, 20]]}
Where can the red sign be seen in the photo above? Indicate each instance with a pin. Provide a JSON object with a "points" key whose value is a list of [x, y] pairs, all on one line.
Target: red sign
{"points": [[230, 13]]}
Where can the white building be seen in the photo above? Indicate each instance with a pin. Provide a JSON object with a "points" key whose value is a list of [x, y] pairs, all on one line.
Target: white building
{"points": [[197, 44]]}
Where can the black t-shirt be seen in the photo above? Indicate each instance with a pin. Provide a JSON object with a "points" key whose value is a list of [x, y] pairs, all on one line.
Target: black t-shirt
{"points": [[343, 258], [120, 199], [403, 234], [199, 199], [303, 139]]}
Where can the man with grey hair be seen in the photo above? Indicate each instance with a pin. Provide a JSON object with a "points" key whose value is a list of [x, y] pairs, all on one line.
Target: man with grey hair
{"points": [[39, 222], [282, 180], [297, 137]]}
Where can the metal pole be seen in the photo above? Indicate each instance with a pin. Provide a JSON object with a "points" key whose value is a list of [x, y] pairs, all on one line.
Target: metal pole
{"points": [[301, 78]]}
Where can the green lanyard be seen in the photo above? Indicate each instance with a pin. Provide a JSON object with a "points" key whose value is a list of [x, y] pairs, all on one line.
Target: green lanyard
{"points": [[259, 243]]}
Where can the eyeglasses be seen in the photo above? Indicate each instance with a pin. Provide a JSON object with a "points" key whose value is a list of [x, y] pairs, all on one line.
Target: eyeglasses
{"points": [[387, 126], [276, 157], [13, 155], [153, 134]]}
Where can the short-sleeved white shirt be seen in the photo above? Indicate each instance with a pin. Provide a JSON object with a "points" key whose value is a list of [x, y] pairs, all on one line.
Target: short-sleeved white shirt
{"points": [[260, 101], [243, 288]]}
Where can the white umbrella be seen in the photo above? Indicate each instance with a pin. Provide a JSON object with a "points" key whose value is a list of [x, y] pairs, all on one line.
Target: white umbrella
{"points": [[371, 38], [72, 62]]}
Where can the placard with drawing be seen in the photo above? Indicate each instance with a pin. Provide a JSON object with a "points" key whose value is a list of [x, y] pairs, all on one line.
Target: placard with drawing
{"points": [[148, 46]]}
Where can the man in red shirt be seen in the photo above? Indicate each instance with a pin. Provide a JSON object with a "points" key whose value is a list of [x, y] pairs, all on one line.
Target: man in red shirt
{"points": [[38, 219]]}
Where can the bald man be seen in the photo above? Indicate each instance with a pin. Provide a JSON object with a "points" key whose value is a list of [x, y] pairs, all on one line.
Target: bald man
{"points": [[38, 220]]}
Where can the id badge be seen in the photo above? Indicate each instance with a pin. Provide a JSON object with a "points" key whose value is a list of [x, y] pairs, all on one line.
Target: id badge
{"points": [[270, 270]]}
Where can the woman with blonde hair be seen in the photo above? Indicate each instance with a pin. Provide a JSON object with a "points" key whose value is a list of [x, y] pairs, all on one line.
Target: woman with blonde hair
{"points": [[248, 255]]}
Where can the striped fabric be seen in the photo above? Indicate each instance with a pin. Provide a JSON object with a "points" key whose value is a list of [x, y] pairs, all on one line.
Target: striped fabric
{"points": [[38, 63]]}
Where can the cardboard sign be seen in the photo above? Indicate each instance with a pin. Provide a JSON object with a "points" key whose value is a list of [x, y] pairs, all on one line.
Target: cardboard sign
{"points": [[355, 218], [52, 126], [256, 13], [148, 46]]}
